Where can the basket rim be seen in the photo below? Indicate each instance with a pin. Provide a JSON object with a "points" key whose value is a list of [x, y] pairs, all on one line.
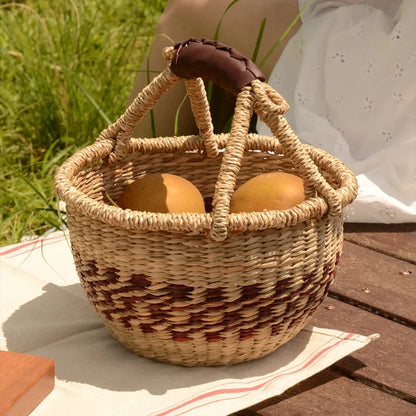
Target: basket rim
{"points": [[79, 203]]}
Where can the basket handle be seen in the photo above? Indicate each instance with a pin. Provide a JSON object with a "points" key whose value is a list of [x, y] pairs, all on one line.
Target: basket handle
{"points": [[195, 60], [198, 60], [270, 106], [119, 133], [201, 59], [214, 61]]}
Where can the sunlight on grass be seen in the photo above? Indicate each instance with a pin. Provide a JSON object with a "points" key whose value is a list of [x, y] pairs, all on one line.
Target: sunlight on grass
{"points": [[66, 70]]}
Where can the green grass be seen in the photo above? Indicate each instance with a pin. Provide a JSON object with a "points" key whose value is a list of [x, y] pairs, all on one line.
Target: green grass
{"points": [[66, 70]]}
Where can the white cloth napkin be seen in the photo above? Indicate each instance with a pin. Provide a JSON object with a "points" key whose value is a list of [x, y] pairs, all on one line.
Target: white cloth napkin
{"points": [[44, 312]]}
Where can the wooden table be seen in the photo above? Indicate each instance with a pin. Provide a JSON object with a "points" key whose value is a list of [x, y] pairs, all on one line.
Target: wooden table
{"points": [[374, 292]]}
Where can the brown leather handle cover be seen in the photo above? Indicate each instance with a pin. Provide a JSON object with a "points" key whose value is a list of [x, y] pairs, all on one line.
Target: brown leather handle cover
{"points": [[214, 61]]}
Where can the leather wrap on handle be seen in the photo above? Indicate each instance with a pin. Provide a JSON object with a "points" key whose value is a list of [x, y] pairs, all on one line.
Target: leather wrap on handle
{"points": [[214, 61]]}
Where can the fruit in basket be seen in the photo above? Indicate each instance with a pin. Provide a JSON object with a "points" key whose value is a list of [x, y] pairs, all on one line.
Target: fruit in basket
{"points": [[163, 193], [268, 191]]}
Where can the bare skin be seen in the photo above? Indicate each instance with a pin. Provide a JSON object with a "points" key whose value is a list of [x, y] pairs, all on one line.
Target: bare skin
{"points": [[183, 19]]}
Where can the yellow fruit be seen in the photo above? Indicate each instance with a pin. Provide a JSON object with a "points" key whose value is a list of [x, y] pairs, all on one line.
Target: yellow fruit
{"points": [[268, 191], [163, 193]]}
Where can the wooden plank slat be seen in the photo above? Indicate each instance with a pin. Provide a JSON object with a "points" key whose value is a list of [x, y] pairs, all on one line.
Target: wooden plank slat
{"points": [[373, 280], [329, 393], [396, 240], [388, 362], [378, 378], [25, 380]]}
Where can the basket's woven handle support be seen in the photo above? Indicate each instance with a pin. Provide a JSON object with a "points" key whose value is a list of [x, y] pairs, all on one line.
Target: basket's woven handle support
{"points": [[197, 60], [231, 162], [121, 130], [200, 108], [268, 105]]}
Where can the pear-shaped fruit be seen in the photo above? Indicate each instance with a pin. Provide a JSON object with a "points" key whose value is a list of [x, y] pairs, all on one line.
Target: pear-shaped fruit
{"points": [[268, 191], [163, 193]]}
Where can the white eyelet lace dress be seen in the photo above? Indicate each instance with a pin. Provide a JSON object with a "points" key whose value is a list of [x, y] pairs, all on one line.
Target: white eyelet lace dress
{"points": [[349, 76]]}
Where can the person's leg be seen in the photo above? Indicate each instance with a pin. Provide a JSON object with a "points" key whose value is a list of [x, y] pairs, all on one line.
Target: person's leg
{"points": [[183, 19]]}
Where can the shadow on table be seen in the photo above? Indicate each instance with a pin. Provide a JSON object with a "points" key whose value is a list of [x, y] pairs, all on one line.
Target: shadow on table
{"points": [[61, 325], [314, 382]]}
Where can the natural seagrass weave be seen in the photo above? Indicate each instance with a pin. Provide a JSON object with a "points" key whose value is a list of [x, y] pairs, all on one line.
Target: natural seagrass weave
{"points": [[204, 289]]}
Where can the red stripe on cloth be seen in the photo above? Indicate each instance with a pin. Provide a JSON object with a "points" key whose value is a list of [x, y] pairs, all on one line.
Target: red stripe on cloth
{"points": [[32, 243], [237, 390], [31, 250]]}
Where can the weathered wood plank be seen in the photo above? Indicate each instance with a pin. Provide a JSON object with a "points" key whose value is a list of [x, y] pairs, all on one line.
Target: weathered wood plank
{"points": [[380, 378], [329, 393], [397, 240], [374, 280], [388, 362]]}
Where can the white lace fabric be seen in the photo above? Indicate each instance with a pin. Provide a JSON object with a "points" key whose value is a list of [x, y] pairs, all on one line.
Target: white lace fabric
{"points": [[349, 76]]}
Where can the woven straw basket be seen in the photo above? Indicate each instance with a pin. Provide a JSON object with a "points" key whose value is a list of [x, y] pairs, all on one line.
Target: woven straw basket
{"points": [[214, 288]]}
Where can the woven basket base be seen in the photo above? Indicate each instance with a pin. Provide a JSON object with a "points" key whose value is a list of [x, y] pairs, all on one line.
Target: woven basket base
{"points": [[182, 298], [195, 353], [161, 298]]}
